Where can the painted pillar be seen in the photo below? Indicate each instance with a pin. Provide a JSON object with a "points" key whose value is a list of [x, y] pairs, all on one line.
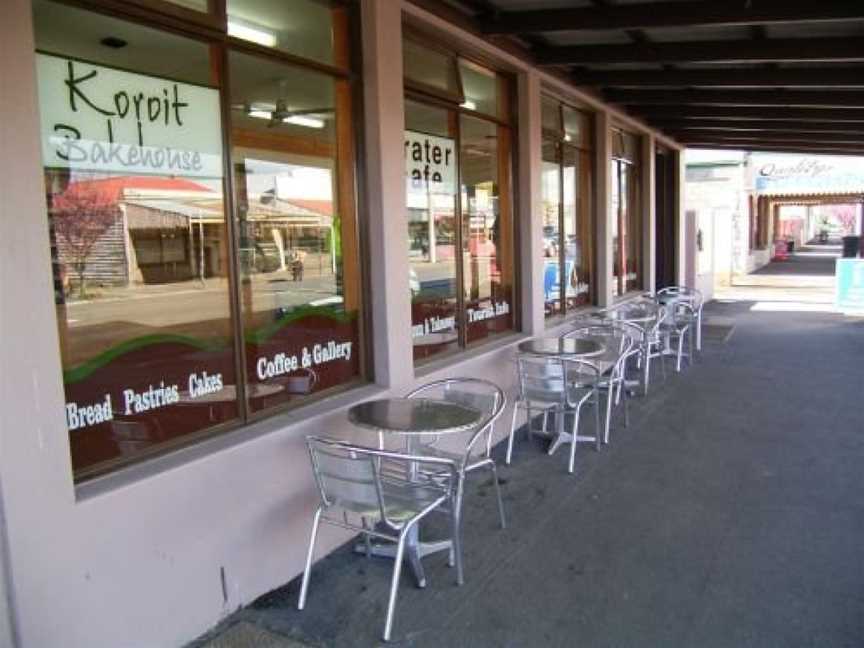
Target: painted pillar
{"points": [[530, 217], [649, 213], [603, 179], [384, 114], [685, 249]]}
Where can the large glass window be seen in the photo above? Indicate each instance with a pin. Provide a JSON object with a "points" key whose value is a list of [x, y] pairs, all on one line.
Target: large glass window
{"points": [[626, 213], [294, 204], [152, 262], [459, 206], [567, 199]]}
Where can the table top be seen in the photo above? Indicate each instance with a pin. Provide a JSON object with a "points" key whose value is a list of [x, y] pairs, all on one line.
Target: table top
{"points": [[634, 313], [581, 347], [414, 416]]}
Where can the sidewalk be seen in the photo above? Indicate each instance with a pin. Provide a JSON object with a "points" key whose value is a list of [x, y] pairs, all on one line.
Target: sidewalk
{"points": [[729, 514]]}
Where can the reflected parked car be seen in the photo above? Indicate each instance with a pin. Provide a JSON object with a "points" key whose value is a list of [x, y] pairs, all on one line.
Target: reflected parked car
{"points": [[550, 241]]}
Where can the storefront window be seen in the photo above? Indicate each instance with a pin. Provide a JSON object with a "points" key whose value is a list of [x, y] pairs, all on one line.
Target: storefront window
{"points": [[144, 257], [460, 243], [568, 226], [301, 27], [299, 296], [626, 216], [487, 228], [430, 69]]}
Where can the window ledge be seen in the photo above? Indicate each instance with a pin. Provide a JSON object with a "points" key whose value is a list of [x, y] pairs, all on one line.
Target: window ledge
{"points": [[203, 449]]}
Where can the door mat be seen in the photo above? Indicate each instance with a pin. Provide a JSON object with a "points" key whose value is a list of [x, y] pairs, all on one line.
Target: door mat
{"points": [[248, 635]]}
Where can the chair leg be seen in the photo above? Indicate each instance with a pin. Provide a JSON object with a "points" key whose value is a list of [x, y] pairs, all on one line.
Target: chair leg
{"points": [[626, 408], [513, 432], [598, 431], [304, 587], [609, 393], [647, 370], [495, 483], [456, 524], [573, 441], [680, 351], [394, 581], [691, 355], [699, 331]]}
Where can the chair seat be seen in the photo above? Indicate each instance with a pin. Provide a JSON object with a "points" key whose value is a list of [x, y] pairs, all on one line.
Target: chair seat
{"points": [[473, 462], [402, 500]]}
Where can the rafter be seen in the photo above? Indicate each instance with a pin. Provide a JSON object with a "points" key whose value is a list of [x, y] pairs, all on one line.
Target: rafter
{"points": [[672, 14], [783, 98], [756, 125], [731, 113], [742, 78], [751, 51], [777, 148], [822, 139]]}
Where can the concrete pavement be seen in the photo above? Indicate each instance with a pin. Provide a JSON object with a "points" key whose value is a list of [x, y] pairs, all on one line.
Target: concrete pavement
{"points": [[729, 514]]}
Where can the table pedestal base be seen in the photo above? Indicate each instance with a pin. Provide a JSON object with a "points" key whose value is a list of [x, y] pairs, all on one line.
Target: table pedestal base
{"points": [[415, 551]]}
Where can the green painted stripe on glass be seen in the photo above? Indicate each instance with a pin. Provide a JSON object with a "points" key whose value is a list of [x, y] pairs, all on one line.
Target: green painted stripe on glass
{"points": [[84, 370], [263, 334], [266, 332]]}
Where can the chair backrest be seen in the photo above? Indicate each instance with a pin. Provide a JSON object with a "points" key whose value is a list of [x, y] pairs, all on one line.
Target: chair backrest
{"points": [[350, 476], [476, 393], [616, 341], [541, 378], [682, 293], [346, 476]]}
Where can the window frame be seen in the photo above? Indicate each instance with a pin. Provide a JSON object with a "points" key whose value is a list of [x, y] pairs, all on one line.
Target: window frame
{"points": [[623, 215], [426, 95], [210, 29], [558, 137]]}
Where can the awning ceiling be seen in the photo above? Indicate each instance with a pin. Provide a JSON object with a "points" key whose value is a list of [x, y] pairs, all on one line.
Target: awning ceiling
{"points": [[784, 75]]}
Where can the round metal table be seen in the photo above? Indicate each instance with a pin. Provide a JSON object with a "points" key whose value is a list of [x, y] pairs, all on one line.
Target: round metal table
{"points": [[570, 347], [632, 314], [412, 418]]}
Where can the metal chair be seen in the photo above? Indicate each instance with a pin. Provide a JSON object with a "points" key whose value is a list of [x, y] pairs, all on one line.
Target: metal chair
{"points": [[678, 325], [560, 386], [692, 296], [485, 397], [351, 484], [618, 347], [652, 346]]}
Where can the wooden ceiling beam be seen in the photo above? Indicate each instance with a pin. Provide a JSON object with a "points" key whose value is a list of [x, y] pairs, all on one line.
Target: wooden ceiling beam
{"points": [[756, 125], [741, 78], [822, 139], [671, 14], [749, 51], [731, 113], [783, 98], [776, 148]]}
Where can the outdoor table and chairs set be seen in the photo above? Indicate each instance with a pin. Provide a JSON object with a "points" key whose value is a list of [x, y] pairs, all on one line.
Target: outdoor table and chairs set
{"points": [[423, 447]]}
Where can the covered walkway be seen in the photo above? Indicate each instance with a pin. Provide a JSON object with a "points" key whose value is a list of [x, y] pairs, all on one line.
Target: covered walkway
{"points": [[730, 513], [811, 260]]}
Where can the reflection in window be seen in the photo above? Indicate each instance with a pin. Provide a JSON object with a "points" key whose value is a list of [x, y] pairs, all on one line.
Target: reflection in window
{"points": [[431, 159], [138, 239], [626, 215], [487, 232], [298, 292], [301, 27], [568, 225]]}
